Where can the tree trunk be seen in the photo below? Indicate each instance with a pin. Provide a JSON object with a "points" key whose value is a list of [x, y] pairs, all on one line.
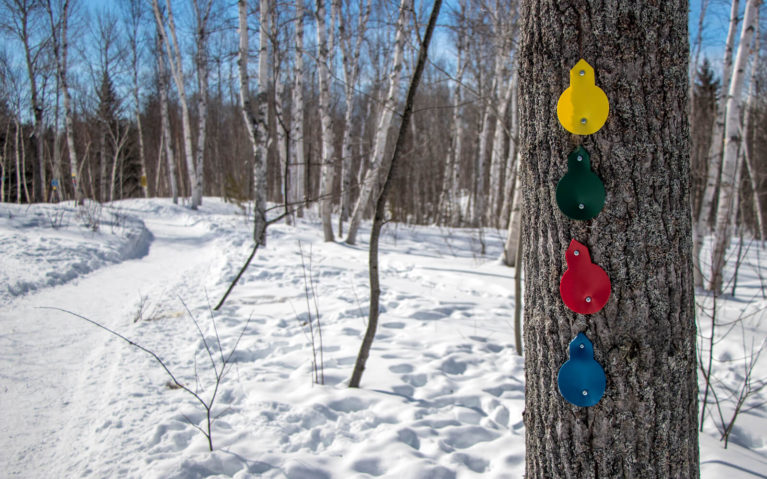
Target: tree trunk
{"points": [[255, 125], [378, 220], [512, 156], [201, 63], [727, 186], [165, 120], [296, 194], [351, 66], [715, 155], [497, 162], [645, 424], [747, 124], [327, 171], [177, 72], [372, 178], [449, 201], [511, 247]]}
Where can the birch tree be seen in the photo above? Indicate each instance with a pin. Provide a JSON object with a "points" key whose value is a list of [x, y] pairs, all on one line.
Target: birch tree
{"points": [[370, 186], [202, 12], [175, 62], [645, 425], [715, 155], [733, 139], [449, 208], [23, 22], [748, 154], [255, 123], [351, 47], [296, 194], [327, 170], [165, 140], [378, 219], [133, 17]]}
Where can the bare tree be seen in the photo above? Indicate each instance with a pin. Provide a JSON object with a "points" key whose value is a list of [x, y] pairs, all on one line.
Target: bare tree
{"points": [[256, 124], [324, 49], [296, 191], [715, 155], [58, 16], [728, 187], [177, 72], [133, 18], [370, 187], [21, 20], [375, 287], [165, 136], [351, 46], [202, 12]]}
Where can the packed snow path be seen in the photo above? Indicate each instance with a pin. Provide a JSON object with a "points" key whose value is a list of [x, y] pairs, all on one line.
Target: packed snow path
{"points": [[46, 356]]}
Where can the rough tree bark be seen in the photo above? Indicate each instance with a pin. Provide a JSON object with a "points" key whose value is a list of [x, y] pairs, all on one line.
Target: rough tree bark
{"points": [[645, 425], [727, 184]]}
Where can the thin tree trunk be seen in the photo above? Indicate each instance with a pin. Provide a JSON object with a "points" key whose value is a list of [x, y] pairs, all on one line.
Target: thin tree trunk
{"points": [[177, 72], [512, 156], [255, 126], [728, 189], [351, 46], [375, 287], [165, 120], [297, 195], [747, 124], [497, 162], [327, 171], [201, 62], [715, 154], [372, 178], [449, 207], [511, 248], [645, 424], [18, 161]]}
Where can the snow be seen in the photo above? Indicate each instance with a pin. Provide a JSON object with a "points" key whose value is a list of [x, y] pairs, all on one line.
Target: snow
{"points": [[442, 396]]}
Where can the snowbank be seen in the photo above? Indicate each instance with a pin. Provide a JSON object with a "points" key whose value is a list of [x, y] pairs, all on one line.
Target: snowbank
{"points": [[49, 244]]}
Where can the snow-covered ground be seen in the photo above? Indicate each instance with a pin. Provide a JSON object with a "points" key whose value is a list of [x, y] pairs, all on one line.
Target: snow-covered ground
{"points": [[442, 395]]}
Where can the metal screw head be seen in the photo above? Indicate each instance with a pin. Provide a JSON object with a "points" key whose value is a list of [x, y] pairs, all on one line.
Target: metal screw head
{"points": [[582, 346], [585, 393], [580, 158], [581, 206], [576, 253], [588, 299], [583, 121], [582, 72]]}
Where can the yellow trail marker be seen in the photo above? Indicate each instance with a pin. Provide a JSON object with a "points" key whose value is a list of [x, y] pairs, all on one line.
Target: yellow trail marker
{"points": [[582, 108]]}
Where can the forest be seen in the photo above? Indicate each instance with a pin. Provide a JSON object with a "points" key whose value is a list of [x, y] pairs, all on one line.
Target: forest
{"points": [[143, 99], [444, 116]]}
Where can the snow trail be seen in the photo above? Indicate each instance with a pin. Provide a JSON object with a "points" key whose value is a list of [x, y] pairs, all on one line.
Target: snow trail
{"points": [[46, 355]]}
